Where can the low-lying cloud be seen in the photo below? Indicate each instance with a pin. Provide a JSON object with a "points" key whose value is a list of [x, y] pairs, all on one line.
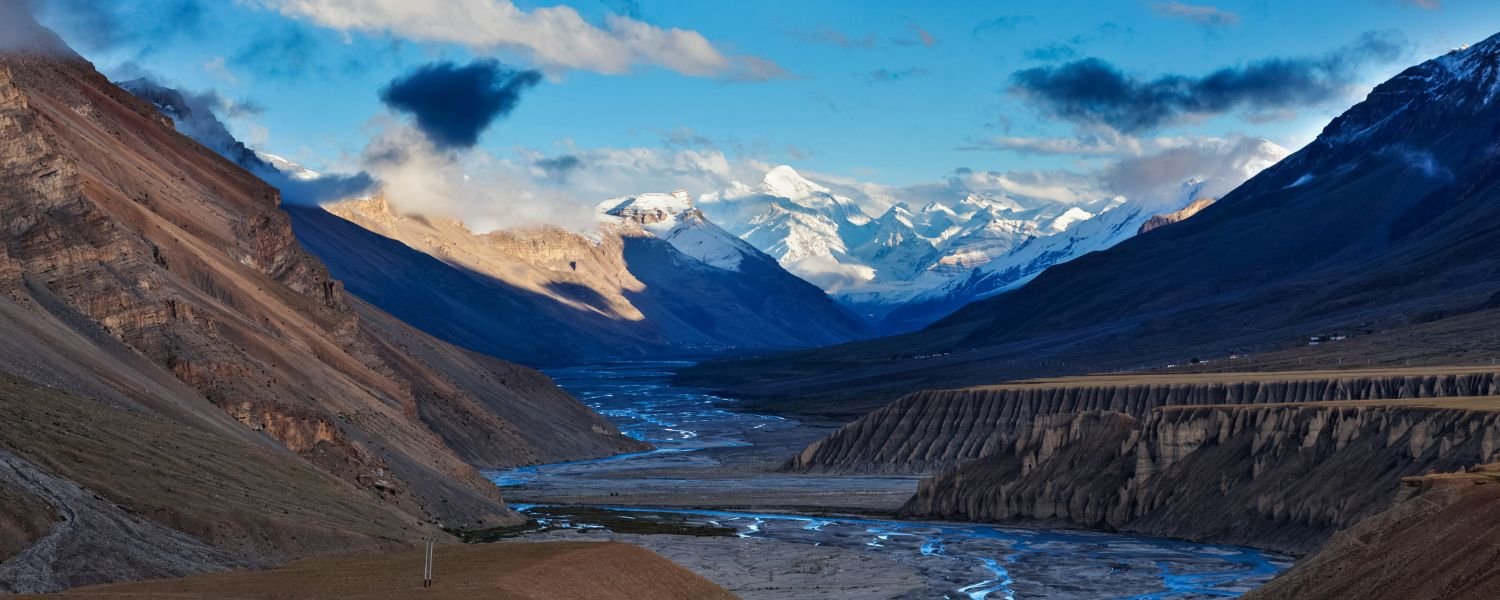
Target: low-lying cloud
{"points": [[1092, 91], [197, 115], [453, 104]]}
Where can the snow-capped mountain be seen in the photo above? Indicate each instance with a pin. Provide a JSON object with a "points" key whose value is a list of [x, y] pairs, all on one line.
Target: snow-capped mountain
{"points": [[911, 265], [673, 219]]}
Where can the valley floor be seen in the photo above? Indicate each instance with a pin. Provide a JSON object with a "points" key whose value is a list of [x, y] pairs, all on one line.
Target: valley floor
{"points": [[764, 533], [602, 571]]}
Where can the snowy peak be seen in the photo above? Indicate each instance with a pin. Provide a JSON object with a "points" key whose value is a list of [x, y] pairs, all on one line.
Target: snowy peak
{"points": [[674, 218], [785, 182], [649, 209]]}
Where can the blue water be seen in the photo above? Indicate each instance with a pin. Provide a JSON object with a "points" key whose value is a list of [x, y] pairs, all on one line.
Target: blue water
{"points": [[977, 562]]}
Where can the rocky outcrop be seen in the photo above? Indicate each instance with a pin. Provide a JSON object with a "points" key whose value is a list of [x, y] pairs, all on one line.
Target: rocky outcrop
{"points": [[1282, 477], [107, 494], [933, 430], [1438, 540], [1187, 212]]}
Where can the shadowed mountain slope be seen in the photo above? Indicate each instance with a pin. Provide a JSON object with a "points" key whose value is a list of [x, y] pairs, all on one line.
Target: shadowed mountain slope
{"points": [[652, 282]]}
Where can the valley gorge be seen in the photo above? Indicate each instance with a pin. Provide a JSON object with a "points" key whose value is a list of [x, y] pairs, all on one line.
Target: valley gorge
{"points": [[1154, 358]]}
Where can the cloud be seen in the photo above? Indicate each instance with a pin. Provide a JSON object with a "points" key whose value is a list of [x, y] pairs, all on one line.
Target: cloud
{"points": [[1092, 91], [1052, 52], [752, 69], [1208, 16], [894, 75], [562, 189], [95, 25], [559, 167], [218, 67], [197, 115], [1423, 4], [1089, 142], [1002, 24], [833, 37], [487, 192], [1217, 165], [920, 37], [453, 104], [556, 36], [1419, 159], [629, 8], [279, 53]]}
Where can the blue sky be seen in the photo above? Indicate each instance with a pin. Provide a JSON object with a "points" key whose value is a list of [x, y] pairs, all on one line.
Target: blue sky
{"points": [[894, 93]]}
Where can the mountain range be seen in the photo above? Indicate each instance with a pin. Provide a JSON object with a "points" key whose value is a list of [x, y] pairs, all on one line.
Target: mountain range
{"points": [[656, 278], [1377, 230], [910, 266]]}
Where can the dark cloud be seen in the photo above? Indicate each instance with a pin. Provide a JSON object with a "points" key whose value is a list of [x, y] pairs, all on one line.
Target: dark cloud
{"points": [[99, 25], [453, 104], [894, 75], [196, 115], [1092, 91], [558, 168]]}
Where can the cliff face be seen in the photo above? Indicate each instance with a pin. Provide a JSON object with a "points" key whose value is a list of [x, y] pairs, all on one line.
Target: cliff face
{"points": [[932, 430], [1273, 460], [141, 270], [1282, 477]]}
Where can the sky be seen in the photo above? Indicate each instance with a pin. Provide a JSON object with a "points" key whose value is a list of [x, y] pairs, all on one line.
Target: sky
{"points": [[611, 97]]}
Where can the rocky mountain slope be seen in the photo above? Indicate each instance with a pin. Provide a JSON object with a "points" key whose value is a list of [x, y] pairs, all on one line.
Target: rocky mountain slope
{"points": [[1436, 541], [1379, 224], [141, 271], [1277, 461], [658, 278], [1187, 212]]}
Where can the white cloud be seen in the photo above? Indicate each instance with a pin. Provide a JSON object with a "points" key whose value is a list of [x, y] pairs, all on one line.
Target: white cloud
{"points": [[483, 191], [555, 36], [1221, 164], [219, 69], [563, 187], [1103, 142]]}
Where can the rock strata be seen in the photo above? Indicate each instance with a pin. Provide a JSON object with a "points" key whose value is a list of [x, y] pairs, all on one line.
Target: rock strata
{"points": [[932, 430]]}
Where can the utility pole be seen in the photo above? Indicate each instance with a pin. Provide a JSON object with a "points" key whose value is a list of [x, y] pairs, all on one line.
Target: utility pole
{"points": [[427, 565]]}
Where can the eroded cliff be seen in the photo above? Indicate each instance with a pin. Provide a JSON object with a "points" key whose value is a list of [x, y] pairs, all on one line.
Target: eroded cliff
{"points": [[932, 430], [1273, 460], [1282, 476]]}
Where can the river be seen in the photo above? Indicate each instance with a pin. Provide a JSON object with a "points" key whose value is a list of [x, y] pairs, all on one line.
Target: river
{"points": [[697, 434]]}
